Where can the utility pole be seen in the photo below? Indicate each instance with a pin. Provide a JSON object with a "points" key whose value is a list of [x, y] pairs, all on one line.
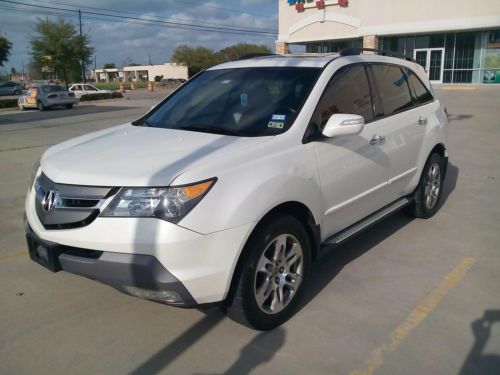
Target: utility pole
{"points": [[22, 64], [149, 59], [81, 40]]}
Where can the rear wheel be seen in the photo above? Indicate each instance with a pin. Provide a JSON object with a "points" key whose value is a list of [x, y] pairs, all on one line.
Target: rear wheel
{"points": [[69, 106], [41, 107], [17, 92], [430, 188], [269, 288]]}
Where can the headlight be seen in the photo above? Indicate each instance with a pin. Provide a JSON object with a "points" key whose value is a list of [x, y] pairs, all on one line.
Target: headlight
{"points": [[170, 203]]}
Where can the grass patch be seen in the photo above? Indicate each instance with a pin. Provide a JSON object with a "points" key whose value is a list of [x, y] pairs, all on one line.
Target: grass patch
{"points": [[116, 85], [8, 103], [100, 96]]}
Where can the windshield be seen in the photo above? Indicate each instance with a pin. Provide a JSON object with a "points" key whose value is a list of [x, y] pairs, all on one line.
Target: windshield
{"points": [[244, 102]]}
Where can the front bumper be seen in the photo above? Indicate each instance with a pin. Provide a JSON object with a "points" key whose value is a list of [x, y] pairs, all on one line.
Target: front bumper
{"points": [[139, 275], [141, 256]]}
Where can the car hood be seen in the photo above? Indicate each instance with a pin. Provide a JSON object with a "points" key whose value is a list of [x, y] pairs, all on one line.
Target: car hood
{"points": [[130, 155]]}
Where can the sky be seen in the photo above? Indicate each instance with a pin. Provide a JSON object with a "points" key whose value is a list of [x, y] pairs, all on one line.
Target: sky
{"points": [[119, 41]]}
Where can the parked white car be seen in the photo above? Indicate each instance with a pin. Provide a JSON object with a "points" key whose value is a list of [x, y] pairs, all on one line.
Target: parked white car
{"points": [[228, 190], [80, 89]]}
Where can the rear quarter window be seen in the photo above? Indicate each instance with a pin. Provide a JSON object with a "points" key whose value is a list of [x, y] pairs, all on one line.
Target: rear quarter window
{"points": [[418, 90]]}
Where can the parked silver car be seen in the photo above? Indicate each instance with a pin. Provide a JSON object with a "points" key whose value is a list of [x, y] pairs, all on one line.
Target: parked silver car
{"points": [[46, 96], [11, 88]]}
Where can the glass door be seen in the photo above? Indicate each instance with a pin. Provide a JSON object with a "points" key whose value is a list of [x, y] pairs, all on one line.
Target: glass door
{"points": [[433, 62]]}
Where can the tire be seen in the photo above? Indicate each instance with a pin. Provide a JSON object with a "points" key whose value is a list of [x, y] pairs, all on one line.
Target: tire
{"points": [[69, 106], [41, 107], [428, 195], [281, 279], [17, 92]]}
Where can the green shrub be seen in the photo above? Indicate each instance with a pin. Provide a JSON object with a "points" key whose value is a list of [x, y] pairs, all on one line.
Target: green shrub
{"points": [[100, 96], [8, 103], [116, 85]]}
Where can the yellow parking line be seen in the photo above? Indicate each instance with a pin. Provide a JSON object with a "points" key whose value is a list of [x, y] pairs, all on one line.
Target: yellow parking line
{"points": [[416, 316], [458, 88], [13, 256]]}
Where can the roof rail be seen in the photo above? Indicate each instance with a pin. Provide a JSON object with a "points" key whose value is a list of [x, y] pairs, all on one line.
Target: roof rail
{"points": [[358, 50], [252, 55]]}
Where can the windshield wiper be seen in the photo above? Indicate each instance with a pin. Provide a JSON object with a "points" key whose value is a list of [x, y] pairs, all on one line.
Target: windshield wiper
{"points": [[209, 129]]}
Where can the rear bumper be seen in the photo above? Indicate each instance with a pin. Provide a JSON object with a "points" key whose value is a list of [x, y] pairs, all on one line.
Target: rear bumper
{"points": [[136, 274]]}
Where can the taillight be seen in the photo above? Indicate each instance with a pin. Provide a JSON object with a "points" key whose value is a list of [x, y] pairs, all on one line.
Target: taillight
{"points": [[52, 96]]}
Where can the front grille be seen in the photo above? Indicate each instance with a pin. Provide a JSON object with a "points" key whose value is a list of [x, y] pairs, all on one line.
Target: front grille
{"points": [[63, 206]]}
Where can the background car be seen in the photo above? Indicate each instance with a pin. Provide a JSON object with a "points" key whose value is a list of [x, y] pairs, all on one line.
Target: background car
{"points": [[11, 88], [46, 96], [80, 89]]}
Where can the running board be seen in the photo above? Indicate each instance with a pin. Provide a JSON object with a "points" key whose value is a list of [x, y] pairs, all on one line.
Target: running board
{"points": [[366, 222]]}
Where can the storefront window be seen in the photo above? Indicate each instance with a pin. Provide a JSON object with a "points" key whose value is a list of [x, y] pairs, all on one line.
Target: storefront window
{"points": [[491, 59], [333, 45]]}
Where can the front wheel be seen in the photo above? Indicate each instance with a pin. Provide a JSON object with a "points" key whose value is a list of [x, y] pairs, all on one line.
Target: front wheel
{"points": [[271, 282], [41, 107], [69, 106], [430, 188]]}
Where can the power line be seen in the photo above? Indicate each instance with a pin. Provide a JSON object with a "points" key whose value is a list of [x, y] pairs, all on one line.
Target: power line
{"points": [[141, 14], [98, 18], [222, 8], [153, 21]]}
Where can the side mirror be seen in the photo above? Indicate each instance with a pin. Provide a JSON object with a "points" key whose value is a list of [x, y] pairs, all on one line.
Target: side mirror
{"points": [[343, 124]]}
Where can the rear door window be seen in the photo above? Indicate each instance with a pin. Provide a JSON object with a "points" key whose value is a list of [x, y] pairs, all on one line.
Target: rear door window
{"points": [[393, 91]]}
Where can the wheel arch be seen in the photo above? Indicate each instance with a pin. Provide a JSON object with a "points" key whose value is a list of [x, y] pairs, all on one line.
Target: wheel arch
{"points": [[295, 209], [440, 149]]}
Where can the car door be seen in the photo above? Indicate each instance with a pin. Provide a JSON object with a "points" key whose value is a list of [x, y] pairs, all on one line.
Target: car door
{"points": [[400, 124], [353, 170]]}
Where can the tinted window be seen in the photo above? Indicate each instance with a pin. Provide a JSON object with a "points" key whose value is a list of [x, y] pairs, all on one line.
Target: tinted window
{"points": [[52, 88], [419, 92], [243, 102], [347, 92], [394, 94]]}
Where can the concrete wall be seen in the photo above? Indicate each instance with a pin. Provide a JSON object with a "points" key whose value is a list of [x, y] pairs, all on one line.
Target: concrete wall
{"points": [[167, 70], [383, 17]]}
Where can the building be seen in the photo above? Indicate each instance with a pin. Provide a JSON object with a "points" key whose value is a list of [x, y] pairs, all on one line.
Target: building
{"points": [[141, 73], [457, 41]]}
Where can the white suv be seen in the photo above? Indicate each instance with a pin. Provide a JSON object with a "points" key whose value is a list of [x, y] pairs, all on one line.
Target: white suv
{"points": [[230, 187]]}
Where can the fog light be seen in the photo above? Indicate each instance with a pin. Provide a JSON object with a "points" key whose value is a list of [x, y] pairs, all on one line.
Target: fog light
{"points": [[165, 296]]}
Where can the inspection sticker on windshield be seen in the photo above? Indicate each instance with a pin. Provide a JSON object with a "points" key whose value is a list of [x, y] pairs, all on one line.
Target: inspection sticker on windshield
{"points": [[277, 122]]}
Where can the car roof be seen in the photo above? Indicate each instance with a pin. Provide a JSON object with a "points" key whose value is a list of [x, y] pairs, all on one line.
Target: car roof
{"points": [[312, 60]]}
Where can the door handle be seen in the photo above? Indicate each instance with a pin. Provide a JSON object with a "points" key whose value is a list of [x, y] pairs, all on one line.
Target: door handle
{"points": [[422, 120], [377, 140]]}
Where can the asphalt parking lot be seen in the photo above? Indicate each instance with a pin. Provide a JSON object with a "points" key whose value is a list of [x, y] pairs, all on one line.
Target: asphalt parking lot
{"points": [[405, 297]]}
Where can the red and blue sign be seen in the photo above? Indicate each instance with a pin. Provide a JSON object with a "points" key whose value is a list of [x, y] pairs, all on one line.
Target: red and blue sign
{"points": [[320, 4]]}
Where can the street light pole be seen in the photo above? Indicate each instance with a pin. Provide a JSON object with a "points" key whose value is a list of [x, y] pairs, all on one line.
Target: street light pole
{"points": [[81, 40]]}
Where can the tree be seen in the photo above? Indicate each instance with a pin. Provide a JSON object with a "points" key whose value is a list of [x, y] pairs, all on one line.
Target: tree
{"points": [[199, 58], [58, 48], [5, 47], [109, 66], [242, 49], [196, 59]]}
